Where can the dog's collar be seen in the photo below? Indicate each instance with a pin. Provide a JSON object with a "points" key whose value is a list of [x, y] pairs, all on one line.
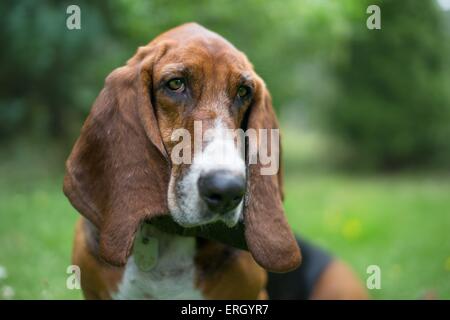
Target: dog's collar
{"points": [[217, 231]]}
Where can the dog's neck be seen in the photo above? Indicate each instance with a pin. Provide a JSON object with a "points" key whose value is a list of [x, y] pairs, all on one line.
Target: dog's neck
{"points": [[161, 266], [164, 265]]}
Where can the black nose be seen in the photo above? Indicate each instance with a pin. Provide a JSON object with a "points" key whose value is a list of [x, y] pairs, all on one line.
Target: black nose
{"points": [[221, 190]]}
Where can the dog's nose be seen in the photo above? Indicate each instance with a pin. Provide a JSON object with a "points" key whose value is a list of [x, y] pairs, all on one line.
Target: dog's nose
{"points": [[221, 190]]}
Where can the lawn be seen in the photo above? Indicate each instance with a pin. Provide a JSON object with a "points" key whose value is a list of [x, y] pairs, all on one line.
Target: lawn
{"points": [[399, 222]]}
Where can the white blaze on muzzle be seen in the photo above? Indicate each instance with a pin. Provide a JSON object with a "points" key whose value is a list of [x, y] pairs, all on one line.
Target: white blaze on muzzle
{"points": [[220, 152]]}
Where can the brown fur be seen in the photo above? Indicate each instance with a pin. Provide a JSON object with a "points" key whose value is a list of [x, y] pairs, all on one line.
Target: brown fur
{"points": [[338, 282], [98, 279]]}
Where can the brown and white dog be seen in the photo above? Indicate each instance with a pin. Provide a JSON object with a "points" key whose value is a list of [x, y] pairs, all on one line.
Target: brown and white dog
{"points": [[120, 177]]}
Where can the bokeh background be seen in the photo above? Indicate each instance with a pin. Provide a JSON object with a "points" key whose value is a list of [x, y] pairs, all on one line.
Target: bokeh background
{"points": [[365, 118]]}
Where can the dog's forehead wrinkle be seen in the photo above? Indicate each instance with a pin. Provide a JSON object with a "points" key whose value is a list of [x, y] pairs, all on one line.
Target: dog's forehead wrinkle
{"points": [[173, 67], [213, 53]]}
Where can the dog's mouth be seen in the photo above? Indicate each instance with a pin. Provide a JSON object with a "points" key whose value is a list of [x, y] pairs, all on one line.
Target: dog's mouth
{"points": [[217, 231], [209, 217]]}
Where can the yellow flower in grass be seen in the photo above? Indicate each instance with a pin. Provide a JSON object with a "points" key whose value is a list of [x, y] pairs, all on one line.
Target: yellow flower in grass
{"points": [[447, 264], [352, 229]]}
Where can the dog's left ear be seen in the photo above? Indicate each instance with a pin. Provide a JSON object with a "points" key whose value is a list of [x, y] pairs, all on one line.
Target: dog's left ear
{"points": [[118, 171], [268, 235]]}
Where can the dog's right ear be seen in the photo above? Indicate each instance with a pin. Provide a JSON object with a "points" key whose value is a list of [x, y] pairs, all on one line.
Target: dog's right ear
{"points": [[118, 171], [268, 234]]}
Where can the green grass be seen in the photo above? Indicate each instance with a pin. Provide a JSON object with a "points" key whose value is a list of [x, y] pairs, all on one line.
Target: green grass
{"points": [[399, 222], [36, 225], [36, 232]]}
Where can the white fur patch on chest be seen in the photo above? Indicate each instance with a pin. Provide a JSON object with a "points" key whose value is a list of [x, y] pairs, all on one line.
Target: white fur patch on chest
{"points": [[160, 267]]}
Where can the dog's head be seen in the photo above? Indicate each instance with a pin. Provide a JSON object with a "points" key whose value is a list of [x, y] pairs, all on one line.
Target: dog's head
{"points": [[159, 140]]}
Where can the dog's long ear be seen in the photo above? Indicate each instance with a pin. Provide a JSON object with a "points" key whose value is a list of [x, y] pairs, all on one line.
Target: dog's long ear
{"points": [[118, 171], [268, 235]]}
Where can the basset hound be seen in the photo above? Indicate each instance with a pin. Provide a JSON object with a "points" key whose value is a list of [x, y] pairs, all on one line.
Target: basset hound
{"points": [[213, 228]]}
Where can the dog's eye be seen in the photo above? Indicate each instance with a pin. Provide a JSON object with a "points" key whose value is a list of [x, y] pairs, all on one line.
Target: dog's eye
{"points": [[243, 91], [176, 84]]}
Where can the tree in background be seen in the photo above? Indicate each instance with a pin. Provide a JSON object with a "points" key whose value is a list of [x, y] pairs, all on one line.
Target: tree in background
{"points": [[47, 70], [393, 106], [51, 75]]}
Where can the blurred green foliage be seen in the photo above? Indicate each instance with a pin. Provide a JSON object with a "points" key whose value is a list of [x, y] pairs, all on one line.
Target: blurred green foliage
{"points": [[47, 69], [393, 102], [381, 92]]}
